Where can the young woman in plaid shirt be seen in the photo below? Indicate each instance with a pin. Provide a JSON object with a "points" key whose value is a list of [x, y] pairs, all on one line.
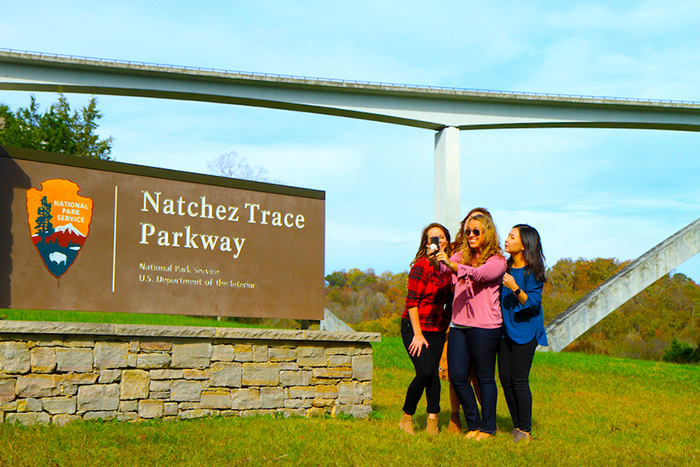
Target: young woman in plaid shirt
{"points": [[423, 325]]}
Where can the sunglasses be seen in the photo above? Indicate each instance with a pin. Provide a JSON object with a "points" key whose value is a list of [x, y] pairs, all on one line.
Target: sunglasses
{"points": [[468, 232]]}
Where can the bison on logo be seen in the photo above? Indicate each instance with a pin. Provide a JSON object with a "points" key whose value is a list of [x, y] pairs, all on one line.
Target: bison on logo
{"points": [[59, 223]]}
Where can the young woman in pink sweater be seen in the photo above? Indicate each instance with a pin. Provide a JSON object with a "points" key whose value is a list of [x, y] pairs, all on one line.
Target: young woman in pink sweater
{"points": [[477, 271]]}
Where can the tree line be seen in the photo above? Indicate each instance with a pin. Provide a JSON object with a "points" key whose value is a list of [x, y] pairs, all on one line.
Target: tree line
{"points": [[662, 321]]}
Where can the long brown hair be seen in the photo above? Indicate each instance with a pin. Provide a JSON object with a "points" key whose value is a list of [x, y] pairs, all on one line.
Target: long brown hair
{"points": [[489, 247], [423, 248]]}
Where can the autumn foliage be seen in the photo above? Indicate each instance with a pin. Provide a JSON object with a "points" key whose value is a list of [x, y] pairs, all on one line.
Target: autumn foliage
{"points": [[644, 327], [356, 296]]}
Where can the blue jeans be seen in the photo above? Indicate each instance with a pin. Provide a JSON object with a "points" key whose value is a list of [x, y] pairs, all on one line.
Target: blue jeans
{"points": [[477, 347]]}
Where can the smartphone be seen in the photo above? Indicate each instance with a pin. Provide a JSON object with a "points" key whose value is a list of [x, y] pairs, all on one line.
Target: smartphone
{"points": [[434, 241]]}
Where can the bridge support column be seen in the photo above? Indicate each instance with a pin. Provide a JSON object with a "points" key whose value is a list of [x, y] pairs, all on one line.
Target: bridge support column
{"points": [[446, 192]]}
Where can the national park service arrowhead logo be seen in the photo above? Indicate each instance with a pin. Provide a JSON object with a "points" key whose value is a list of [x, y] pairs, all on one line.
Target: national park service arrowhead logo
{"points": [[59, 223]]}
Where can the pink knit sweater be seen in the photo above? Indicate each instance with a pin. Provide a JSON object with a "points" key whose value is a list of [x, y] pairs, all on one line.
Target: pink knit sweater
{"points": [[476, 300]]}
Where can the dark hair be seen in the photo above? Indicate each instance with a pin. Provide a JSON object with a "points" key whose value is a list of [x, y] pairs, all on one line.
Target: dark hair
{"points": [[532, 251], [459, 238], [423, 249]]}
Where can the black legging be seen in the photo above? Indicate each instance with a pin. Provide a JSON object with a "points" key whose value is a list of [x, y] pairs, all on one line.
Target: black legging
{"points": [[426, 366], [514, 363]]}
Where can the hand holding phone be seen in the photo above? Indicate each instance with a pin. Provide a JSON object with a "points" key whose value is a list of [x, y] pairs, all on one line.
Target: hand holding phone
{"points": [[434, 244]]}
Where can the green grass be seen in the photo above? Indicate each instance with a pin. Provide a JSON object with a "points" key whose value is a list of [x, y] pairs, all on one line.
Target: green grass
{"points": [[118, 318], [588, 411]]}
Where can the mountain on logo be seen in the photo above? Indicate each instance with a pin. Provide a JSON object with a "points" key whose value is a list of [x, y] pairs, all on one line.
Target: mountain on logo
{"points": [[66, 236]]}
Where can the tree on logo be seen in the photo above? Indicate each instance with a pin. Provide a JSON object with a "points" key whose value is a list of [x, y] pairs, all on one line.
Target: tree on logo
{"points": [[44, 226]]}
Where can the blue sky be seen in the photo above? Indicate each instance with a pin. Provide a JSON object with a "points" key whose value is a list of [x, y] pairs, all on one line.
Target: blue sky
{"points": [[590, 193]]}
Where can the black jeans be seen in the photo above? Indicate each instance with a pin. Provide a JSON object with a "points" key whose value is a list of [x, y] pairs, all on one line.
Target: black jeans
{"points": [[514, 363], [427, 378]]}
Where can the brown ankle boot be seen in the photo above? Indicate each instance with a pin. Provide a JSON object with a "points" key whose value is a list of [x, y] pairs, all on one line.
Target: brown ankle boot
{"points": [[455, 425], [406, 424], [432, 428]]}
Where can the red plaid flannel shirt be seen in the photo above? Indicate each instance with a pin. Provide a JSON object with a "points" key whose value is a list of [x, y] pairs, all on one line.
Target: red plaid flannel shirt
{"points": [[431, 292]]}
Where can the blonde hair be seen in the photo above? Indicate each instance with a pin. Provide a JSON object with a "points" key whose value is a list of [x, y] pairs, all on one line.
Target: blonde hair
{"points": [[489, 246], [459, 238]]}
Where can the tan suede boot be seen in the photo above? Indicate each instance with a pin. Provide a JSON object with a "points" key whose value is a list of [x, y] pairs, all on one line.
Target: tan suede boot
{"points": [[455, 425], [483, 436], [406, 424], [432, 427], [472, 434]]}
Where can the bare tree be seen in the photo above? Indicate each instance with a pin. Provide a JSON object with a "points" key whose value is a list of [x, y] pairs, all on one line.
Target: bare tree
{"points": [[233, 165]]}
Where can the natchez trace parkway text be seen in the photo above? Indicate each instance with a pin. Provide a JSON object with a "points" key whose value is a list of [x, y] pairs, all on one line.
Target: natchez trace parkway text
{"points": [[201, 209]]}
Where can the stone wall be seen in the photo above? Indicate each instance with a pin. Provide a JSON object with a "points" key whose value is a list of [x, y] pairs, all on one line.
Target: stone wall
{"points": [[59, 372]]}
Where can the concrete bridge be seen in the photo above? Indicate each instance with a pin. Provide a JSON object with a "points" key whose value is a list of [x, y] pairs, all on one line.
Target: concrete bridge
{"points": [[445, 111]]}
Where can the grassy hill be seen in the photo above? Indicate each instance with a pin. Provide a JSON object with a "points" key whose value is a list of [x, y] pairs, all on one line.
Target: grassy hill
{"points": [[589, 410]]}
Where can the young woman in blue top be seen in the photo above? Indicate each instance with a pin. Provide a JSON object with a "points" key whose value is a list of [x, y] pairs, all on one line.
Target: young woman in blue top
{"points": [[523, 325]]}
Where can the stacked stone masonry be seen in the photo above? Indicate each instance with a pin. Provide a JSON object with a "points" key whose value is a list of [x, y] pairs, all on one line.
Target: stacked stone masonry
{"points": [[60, 372]]}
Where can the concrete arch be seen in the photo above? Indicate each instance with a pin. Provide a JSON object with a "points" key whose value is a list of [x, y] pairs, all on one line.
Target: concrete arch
{"points": [[443, 110]]}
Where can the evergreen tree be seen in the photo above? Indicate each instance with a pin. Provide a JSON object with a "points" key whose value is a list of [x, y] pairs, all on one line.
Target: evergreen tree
{"points": [[59, 129], [43, 221]]}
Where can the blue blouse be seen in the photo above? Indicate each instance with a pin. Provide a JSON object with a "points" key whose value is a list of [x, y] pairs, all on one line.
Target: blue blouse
{"points": [[523, 322]]}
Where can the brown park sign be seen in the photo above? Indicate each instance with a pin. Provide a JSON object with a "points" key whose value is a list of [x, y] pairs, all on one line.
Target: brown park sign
{"points": [[91, 235]]}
